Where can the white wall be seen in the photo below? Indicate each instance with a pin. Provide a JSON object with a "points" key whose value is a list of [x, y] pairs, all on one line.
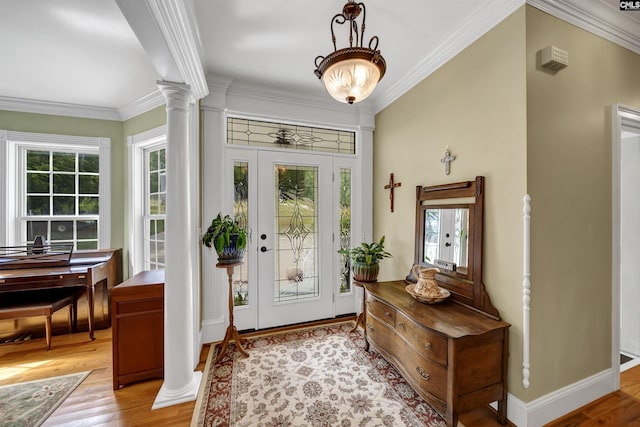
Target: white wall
{"points": [[630, 246]]}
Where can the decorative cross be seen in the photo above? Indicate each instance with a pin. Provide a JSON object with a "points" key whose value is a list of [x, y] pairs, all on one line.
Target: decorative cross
{"points": [[447, 159], [390, 186]]}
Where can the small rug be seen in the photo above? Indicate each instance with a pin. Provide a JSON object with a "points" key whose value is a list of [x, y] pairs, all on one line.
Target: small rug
{"points": [[30, 403], [312, 377]]}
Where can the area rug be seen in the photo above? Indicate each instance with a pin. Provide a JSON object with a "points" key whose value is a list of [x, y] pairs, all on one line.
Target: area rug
{"points": [[312, 377], [30, 403]]}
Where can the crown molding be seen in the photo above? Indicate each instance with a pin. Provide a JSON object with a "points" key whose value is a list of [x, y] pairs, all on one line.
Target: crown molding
{"points": [[597, 18], [489, 15], [177, 24], [58, 108], [141, 105]]}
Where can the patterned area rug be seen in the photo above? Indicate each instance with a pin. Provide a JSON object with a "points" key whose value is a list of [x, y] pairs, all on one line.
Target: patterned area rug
{"points": [[312, 377], [30, 403]]}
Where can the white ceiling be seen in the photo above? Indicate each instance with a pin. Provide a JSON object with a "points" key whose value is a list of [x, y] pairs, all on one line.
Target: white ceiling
{"points": [[83, 53]]}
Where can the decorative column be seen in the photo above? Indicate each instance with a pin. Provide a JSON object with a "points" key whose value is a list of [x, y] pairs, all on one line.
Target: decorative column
{"points": [[181, 383]]}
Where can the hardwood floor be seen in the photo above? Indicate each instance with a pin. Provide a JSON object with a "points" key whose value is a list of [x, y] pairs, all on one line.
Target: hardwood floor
{"points": [[95, 403]]}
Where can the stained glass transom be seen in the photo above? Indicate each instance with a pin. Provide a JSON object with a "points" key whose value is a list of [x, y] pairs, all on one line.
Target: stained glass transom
{"points": [[288, 136]]}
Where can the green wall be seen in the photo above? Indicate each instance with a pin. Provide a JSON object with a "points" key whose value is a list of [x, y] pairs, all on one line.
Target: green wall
{"points": [[476, 104], [63, 125], [117, 131], [569, 179]]}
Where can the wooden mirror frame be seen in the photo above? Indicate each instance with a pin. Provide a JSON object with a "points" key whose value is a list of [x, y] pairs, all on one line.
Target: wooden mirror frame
{"points": [[466, 289]]}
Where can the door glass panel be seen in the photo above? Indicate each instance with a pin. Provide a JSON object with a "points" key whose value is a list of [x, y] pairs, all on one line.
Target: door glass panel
{"points": [[296, 243], [345, 229], [241, 215]]}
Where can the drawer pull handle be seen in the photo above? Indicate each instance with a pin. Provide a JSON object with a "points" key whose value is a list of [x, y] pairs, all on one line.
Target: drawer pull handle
{"points": [[369, 327], [423, 374], [388, 314], [427, 345], [401, 324]]}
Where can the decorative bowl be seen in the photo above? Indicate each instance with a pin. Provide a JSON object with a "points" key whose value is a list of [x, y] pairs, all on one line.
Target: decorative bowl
{"points": [[444, 294]]}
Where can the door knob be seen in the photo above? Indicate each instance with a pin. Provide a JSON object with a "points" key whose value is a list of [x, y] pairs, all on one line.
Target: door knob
{"points": [[263, 249], [447, 244]]}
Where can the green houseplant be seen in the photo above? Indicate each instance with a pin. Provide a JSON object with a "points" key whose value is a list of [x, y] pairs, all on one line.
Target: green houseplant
{"points": [[365, 260], [227, 238]]}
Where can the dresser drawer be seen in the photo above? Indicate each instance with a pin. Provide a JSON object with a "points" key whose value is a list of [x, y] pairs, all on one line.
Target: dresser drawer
{"points": [[381, 335], [382, 311], [424, 374], [430, 345]]}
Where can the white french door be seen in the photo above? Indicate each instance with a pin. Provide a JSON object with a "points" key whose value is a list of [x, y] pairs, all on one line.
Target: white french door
{"points": [[294, 238], [291, 271]]}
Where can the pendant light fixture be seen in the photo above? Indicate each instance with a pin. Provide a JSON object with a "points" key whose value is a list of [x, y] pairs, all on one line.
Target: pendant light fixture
{"points": [[352, 73]]}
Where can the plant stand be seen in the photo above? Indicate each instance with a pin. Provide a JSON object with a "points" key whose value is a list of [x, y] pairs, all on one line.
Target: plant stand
{"points": [[362, 317], [232, 331]]}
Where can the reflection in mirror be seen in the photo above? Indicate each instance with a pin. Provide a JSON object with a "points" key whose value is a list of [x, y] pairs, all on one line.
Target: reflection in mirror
{"points": [[446, 236]]}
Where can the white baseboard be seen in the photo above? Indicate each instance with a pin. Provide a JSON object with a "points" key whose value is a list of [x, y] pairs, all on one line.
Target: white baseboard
{"points": [[213, 330], [560, 402]]}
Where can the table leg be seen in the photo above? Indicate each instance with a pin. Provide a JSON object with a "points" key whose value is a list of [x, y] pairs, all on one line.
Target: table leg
{"points": [[232, 331], [90, 310]]}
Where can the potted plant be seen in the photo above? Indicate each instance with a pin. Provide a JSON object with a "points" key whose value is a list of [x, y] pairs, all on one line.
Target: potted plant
{"points": [[365, 260], [227, 237]]}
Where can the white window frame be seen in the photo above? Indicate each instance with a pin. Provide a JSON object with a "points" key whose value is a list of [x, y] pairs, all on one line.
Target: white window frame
{"points": [[137, 146], [13, 146]]}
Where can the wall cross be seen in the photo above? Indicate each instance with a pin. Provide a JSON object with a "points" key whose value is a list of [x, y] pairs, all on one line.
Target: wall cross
{"points": [[390, 186], [447, 159]]}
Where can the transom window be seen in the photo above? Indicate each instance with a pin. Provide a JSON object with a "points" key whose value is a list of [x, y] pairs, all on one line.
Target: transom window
{"points": [[288, 136]]}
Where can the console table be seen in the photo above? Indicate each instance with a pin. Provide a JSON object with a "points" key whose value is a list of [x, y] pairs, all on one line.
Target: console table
{"points": [[454, 357]]}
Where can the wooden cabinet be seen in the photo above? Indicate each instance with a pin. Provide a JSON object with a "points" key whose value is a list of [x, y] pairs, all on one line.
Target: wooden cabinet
{"points": [[137, 309], [454, 357]]}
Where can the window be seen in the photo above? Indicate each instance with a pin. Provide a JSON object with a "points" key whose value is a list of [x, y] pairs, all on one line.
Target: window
{"points": [[155, 207], [57, 187], [147, 199]]}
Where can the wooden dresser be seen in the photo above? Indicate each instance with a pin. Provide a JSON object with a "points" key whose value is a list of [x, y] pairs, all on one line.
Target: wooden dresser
{"points": [[455, 358], [137, 307]]}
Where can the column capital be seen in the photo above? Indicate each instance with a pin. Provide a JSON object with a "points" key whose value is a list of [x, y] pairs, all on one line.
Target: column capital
{"points": [[175, 92]]}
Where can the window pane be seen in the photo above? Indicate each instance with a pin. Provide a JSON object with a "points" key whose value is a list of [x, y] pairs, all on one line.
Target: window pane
{"points": [[163, 182], [153, 160], [87, 229], [36, 228], [161, 158], [61, 230], [162, 204], [38, 183], [160, 229], [37, 160], [37, 205], [345, 229], [89, 206], [89, 184], [87, 245], [296, 244], [88, 163], [64, 205], [160, 252], [64, 162], [241, 215], [153, 182], [153, 204], [64, 183]]}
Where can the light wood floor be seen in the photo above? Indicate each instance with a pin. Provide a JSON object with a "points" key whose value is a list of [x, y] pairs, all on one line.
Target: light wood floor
{"points": [[95, 403]]}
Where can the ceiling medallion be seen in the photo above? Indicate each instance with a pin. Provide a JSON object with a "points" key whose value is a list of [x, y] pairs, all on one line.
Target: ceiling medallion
{"points": [[352, 73]]}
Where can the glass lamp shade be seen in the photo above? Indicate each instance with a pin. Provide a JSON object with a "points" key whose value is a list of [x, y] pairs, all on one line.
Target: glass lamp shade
{"points": [[351, 80]]}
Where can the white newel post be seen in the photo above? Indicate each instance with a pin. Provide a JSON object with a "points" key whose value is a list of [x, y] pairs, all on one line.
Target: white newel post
{"points": [[181, 383]]}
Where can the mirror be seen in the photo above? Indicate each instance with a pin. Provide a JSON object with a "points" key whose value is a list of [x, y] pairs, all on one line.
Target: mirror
{"points": [[449, 233], [446, 237]]}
